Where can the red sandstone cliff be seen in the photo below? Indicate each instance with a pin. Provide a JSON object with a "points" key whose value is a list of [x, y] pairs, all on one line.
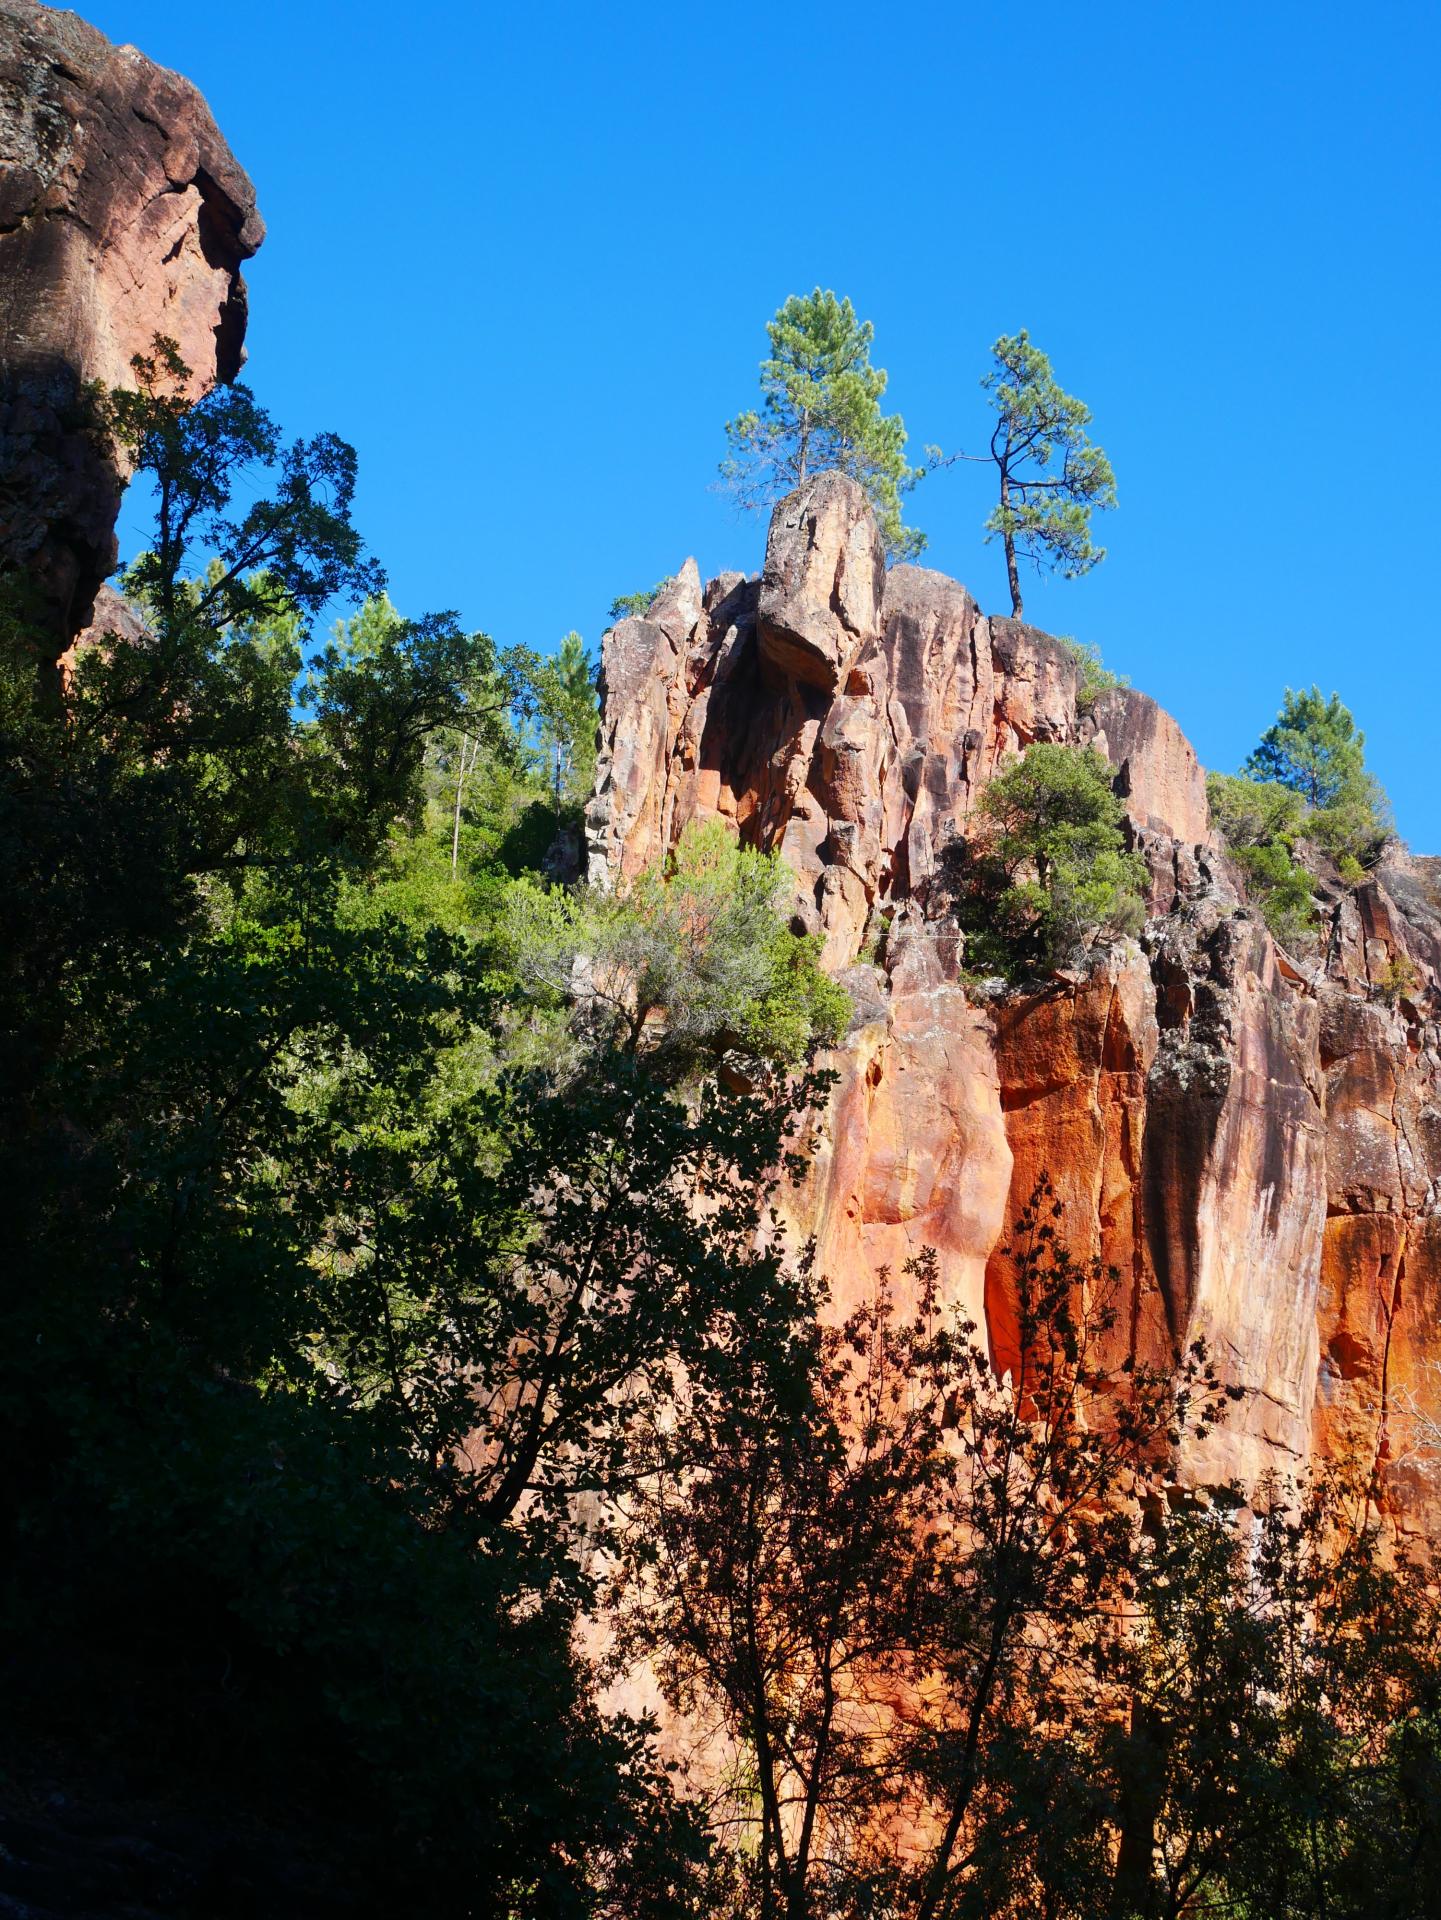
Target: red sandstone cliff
{"points": [[1253, 1139], [123, 215]]}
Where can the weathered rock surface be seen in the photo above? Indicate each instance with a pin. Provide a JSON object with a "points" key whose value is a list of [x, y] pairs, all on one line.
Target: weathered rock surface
{"points": [[914, 1153], [822, 584], [123, 215], [1252, 1140]]}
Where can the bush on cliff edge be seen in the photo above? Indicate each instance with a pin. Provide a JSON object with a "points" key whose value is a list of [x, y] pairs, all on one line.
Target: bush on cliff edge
{"points": [[1046, 872]]}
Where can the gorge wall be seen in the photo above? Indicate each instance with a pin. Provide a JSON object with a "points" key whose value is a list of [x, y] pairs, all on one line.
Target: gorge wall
{"points": [[123, 215], [1253, 1139]]}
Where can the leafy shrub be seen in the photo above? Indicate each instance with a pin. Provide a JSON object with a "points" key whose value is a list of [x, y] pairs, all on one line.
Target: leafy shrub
{"points": [[695, 958], [1095, 677], [1399, 977], [873, 947], [1260, 821], [634, 606], [1047, 872], [1253, 813], [1354, 827], [1281, 890]]}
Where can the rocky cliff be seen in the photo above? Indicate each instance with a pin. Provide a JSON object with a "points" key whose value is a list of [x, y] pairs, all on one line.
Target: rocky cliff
{"points": [[123, 215], [1252, 1138]]}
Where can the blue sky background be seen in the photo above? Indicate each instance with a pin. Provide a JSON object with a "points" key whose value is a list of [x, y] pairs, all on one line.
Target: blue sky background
{"points": [[522, 257]]}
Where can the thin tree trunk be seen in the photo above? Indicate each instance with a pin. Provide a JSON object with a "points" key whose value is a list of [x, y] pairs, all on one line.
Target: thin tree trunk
{"points": [[459, 791], [961, 1799], [1012, 572], [1134, 1883]]}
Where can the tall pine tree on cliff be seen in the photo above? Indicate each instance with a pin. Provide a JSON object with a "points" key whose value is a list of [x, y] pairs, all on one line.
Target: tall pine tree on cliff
{"points": [[1051, 477], [822, 409]]}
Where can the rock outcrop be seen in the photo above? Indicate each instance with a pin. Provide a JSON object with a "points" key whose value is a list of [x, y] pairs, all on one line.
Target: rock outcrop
{"points": [[123, 215], [1251, 1139]]}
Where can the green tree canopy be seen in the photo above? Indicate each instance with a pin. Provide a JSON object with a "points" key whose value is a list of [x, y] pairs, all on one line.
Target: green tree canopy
{"points": [[1051, 477], [1093, 676], [1261, 822], [1254, 813], [626, 606], [693, 959], [821, 409], [298, 539], [569, 714], [1046, 869], [329, 1307], [1315, 749], [362, 635]]}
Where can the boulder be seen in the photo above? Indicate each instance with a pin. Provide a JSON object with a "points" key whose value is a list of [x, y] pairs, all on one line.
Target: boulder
{"points": [[821, 588]]}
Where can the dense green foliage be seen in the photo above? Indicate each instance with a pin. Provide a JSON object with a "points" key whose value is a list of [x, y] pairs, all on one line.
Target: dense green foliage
{"points": [[1312, 747], [627, 605], [400, 1331], [1051, 477], [1045, 870], [821, 409], [341, 1260], [1316, 750], [1307, 781], [569, 715], [1094, 677], [1261, 822], [693, 960]]}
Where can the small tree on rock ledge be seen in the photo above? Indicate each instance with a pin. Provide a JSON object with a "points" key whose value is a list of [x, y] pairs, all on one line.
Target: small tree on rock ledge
{"points": [[1046, 869]]}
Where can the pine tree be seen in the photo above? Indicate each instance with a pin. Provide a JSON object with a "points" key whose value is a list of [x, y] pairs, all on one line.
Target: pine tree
{"points": [[821, 410], [1051, 477], [569, 713], [1314, 747]]}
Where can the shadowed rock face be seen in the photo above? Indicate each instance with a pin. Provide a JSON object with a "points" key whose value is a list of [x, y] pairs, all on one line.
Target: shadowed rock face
{"points": [[123, 215], [1252, 1141]]}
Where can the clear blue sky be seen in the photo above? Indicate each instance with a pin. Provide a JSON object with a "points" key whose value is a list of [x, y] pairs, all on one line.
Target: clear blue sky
{"points": [[522, 257]]}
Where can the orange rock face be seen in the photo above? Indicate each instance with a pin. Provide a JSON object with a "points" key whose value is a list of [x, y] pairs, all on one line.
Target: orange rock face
{"points": [[914, 1152], [123, 215], [1379, 1388], [1253, 1142]]}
